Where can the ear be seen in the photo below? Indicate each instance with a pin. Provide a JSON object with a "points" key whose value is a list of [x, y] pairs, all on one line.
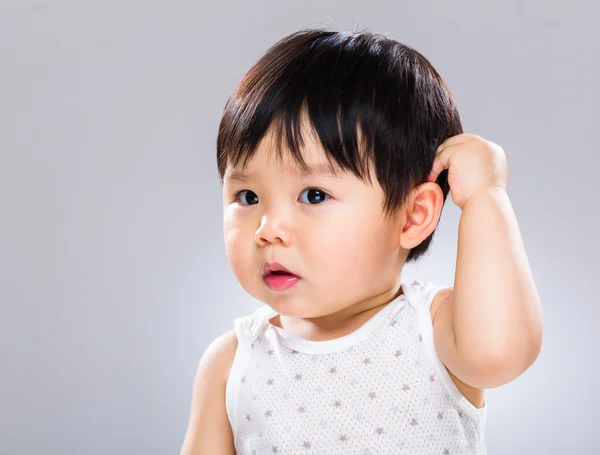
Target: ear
{"points": [[421, 214]]}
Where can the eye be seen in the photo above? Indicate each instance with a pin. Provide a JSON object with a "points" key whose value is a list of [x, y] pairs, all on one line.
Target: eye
{"points": [[247, 197], [314, 196]]}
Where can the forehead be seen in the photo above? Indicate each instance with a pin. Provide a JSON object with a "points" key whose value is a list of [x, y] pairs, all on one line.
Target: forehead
{"points": [[269, 155]]}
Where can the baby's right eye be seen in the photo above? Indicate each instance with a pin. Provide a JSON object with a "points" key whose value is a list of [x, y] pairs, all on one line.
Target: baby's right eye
{"points": [[247, 197]]}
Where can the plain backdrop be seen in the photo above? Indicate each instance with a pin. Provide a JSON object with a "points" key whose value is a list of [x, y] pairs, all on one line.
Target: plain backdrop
{"points": [[113, 274]]}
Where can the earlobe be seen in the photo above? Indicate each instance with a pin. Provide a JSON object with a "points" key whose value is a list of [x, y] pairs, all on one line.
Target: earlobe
{"points": [[422, 214]]}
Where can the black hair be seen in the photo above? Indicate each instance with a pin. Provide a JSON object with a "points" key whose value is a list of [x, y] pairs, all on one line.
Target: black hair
{"points": [[370, 99]]}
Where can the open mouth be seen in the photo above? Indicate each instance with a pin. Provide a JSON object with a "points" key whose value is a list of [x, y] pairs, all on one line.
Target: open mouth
{"points": [[276, 269]]}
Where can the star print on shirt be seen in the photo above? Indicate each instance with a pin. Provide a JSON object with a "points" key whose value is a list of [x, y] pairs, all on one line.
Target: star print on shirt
{"points": [[426, 406]]}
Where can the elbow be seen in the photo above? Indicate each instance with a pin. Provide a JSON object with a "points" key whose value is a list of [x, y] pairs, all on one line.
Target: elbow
{"points": [[494, 369]]}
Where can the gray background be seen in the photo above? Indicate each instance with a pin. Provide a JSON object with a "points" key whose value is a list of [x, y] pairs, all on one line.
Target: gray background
{"points": [[113, 275]]}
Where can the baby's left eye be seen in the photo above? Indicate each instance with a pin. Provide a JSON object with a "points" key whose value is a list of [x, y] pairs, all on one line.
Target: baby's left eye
{"points": [[314, 196]]}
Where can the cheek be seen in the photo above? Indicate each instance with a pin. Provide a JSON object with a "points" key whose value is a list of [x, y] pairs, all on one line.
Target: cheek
{"points": [[238, 242], [351, 253], [339, 247]]}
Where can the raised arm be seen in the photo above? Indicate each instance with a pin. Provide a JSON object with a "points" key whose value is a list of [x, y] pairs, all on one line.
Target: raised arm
{"points": [[489, 330]]}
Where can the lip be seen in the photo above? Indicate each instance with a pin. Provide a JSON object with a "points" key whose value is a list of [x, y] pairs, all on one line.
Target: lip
{"points": [[280, 283], [275, 267]]}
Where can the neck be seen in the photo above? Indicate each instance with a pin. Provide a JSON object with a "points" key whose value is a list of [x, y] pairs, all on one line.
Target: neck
{"points": [[341, 323]]}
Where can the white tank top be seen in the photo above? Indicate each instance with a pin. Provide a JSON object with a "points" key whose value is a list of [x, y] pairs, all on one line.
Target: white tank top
{"points": [[379, 390]]}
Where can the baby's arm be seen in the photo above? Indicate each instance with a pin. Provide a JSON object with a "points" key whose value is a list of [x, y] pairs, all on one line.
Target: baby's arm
{"points": [[209, 431], [489, 330]]}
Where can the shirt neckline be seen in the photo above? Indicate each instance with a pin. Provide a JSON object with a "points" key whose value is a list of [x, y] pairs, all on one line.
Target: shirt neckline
{"points": [[337, 344]]}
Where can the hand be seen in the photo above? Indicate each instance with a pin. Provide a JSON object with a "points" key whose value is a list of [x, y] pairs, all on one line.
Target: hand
{"points": [[473, 163]]}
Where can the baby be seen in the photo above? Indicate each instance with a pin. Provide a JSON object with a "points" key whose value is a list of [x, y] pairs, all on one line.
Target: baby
{"points": [[337, 152]]}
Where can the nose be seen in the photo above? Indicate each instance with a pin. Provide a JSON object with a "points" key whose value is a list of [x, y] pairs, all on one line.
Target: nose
{"points": [[272, 229]]}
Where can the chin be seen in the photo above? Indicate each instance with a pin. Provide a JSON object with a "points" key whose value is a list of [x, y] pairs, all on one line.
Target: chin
{"points": [[288, 305]]}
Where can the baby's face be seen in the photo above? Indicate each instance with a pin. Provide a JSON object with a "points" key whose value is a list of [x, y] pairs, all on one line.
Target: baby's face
{"points": [[327, 230]]}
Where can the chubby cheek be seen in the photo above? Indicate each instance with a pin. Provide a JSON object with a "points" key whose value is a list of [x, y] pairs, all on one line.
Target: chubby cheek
{"points": [[339, 253], [351, 256], [238, 246]]}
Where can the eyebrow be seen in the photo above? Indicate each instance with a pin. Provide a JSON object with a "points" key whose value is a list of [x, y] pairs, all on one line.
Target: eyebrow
{"points": [[321, 169]]}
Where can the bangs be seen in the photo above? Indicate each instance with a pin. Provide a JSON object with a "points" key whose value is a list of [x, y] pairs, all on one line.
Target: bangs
{"points": [[299, 89], [286, 136]]}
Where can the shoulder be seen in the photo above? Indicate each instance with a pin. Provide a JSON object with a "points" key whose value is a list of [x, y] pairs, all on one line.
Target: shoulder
{"points": [[219, 355], [208, 428], [440, 296]]}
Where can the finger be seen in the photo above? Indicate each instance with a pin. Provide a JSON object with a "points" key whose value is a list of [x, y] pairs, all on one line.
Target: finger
{"points": [[458, 139], [440, 163], [444, 151]]}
